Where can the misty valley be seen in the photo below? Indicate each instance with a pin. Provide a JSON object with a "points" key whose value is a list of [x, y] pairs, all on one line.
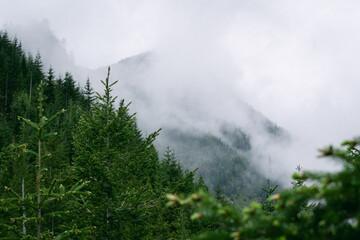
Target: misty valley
{"points": [[106, 154]]}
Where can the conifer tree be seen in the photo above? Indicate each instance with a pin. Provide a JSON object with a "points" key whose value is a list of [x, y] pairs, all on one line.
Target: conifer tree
{"points": [[49, 90], [108, 150], [71, 92], [119, 162], [41, 136], [172, 172], [88, 92], [35, 203], [268, 206]]}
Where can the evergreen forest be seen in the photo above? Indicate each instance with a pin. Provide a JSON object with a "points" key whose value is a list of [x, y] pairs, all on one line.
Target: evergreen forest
{"points": [[75, 165]]}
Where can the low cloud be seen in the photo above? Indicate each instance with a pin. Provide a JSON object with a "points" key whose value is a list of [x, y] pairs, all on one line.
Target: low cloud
{"points": [[295, 62]]}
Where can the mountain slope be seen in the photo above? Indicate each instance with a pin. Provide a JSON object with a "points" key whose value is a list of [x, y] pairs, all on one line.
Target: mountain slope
{"points": [[208, 126], [226, 153]]}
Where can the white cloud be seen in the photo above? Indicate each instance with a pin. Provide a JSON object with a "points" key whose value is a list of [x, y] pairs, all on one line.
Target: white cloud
{"points": [[295, 61]]}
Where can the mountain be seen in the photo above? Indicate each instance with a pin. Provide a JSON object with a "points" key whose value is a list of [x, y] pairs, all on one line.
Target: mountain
{"points": [[226, 140], [226, 154], [38, 38]]}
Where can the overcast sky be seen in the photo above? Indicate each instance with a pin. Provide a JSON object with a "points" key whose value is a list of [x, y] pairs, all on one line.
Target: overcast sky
{"points": [[297, 62]]}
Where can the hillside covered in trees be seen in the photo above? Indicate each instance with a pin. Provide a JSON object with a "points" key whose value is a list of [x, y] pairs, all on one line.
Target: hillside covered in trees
{"points": [[201, 136], [74, 164], [226, 152]]}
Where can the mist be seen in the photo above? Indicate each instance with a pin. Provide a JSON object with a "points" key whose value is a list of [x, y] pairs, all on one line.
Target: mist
{"points": [[294, 62]]}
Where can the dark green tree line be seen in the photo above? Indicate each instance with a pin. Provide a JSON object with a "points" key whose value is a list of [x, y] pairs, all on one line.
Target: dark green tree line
{"points": [[42, 176]]}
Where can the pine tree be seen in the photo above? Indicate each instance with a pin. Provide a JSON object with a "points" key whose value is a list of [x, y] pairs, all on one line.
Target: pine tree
{"points": [[121, 165], [172, 172], [127, 180], [268, 204], [37, 202], [88, 92], [70, 91], [49, 90]]}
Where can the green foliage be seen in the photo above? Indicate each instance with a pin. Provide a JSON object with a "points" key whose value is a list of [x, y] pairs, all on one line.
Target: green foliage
{"points": [[268, 205], [127, 181], [88, 92], [98, 177], [30, 207], [91, 146], [174, 179], [219, 163], [121, 166], [334, 211], [176, 219], [298, 182]]}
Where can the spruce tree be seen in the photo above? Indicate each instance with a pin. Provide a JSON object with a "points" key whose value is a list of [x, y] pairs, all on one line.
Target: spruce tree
{"points": [[268, 206], [121, 165], [88, 92], [30, 206], [49, 90]]}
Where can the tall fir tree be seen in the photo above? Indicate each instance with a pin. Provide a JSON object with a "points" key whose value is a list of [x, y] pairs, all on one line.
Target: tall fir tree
{"points": [[30, 207], [119, 162], [89, 95]]}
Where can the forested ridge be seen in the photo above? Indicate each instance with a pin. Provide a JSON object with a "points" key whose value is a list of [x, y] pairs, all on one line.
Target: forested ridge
{"points": [[75, 165], [99, 177]]}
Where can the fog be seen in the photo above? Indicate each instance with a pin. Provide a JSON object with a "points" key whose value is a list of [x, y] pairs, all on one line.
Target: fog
{"points": [[295, 62]]}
